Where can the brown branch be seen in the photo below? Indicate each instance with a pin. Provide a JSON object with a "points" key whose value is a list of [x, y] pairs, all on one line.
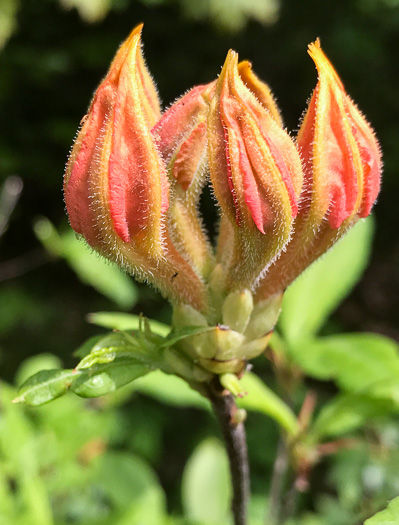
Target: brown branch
{"points": [[233, 432]]}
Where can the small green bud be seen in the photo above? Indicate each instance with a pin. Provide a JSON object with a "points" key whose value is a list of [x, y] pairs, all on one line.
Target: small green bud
{"points": [[232, 383], [237, 309], [264, 317]]}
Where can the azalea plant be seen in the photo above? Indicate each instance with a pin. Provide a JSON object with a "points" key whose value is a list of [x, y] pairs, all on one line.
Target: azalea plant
{"points": [[133, 185]]}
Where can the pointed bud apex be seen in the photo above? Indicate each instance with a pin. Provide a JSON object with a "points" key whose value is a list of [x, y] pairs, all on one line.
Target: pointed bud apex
{"points": [[259, 89]]}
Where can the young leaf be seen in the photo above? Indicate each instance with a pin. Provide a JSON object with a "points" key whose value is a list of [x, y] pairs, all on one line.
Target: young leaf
{"points": [[179, 335], [316, 293], [388, 516], [45, 386], [206, 484], [102, 379]]}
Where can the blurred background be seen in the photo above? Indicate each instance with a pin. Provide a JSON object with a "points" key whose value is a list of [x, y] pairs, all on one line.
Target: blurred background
{"points": [[53, 53]]}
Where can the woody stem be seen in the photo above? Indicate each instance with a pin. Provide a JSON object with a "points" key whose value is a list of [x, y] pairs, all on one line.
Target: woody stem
{"points": [[224, 408]]}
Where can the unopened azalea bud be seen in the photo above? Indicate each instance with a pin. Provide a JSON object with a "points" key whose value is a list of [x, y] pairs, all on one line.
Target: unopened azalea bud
{"points": [[181, 138], [256, 174], [342, 166], [116, 186]]}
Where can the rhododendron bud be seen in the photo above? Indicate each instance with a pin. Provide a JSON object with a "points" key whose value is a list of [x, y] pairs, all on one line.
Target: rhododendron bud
{"points": [[342, 165], [181, 137], [256, 174], [116, 186], [114, 163]]}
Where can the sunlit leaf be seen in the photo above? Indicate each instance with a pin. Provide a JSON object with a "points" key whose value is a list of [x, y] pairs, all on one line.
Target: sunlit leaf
{"points": [[353, 360], [45, 386], [347, 412], [316, 293], [388, 516], [90, 10], [261, 398]]}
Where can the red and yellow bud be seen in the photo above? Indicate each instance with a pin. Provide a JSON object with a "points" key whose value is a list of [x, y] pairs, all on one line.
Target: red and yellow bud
{"points": [[134, 178], [342, 166], [255, 171], [116, 186]]}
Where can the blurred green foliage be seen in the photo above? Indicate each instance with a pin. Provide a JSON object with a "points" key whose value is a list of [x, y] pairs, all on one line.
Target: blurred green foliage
{"points": [[72, 461]]}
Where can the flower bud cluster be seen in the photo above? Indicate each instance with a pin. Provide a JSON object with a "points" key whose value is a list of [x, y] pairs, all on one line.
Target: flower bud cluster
{"points": [[135, 177]]}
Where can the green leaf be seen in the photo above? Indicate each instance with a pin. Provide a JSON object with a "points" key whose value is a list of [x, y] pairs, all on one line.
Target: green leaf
{"points": [[122, 321], [388, 516], [317, 293], [206, 484], [262, 399], [45, 386], [91, 269], [353, 360], [102, 379], [348, 412]]}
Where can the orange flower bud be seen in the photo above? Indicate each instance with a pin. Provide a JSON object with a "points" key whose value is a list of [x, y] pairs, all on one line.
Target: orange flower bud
{"points": [[116, 186], [255, 171], [342, 166], [114, 180]]}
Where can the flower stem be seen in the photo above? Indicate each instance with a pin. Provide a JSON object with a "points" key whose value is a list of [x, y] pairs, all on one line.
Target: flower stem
{"points": [[233, 432]]}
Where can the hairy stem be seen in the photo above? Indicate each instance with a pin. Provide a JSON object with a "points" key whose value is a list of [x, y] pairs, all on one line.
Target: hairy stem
{"points": [[225, 410]]}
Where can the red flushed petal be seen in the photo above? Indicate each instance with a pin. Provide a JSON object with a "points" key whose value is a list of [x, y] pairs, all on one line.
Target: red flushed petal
{"points": [[134, 168], [83, 165], [180, 119], [189, 156], [370, 155]]}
